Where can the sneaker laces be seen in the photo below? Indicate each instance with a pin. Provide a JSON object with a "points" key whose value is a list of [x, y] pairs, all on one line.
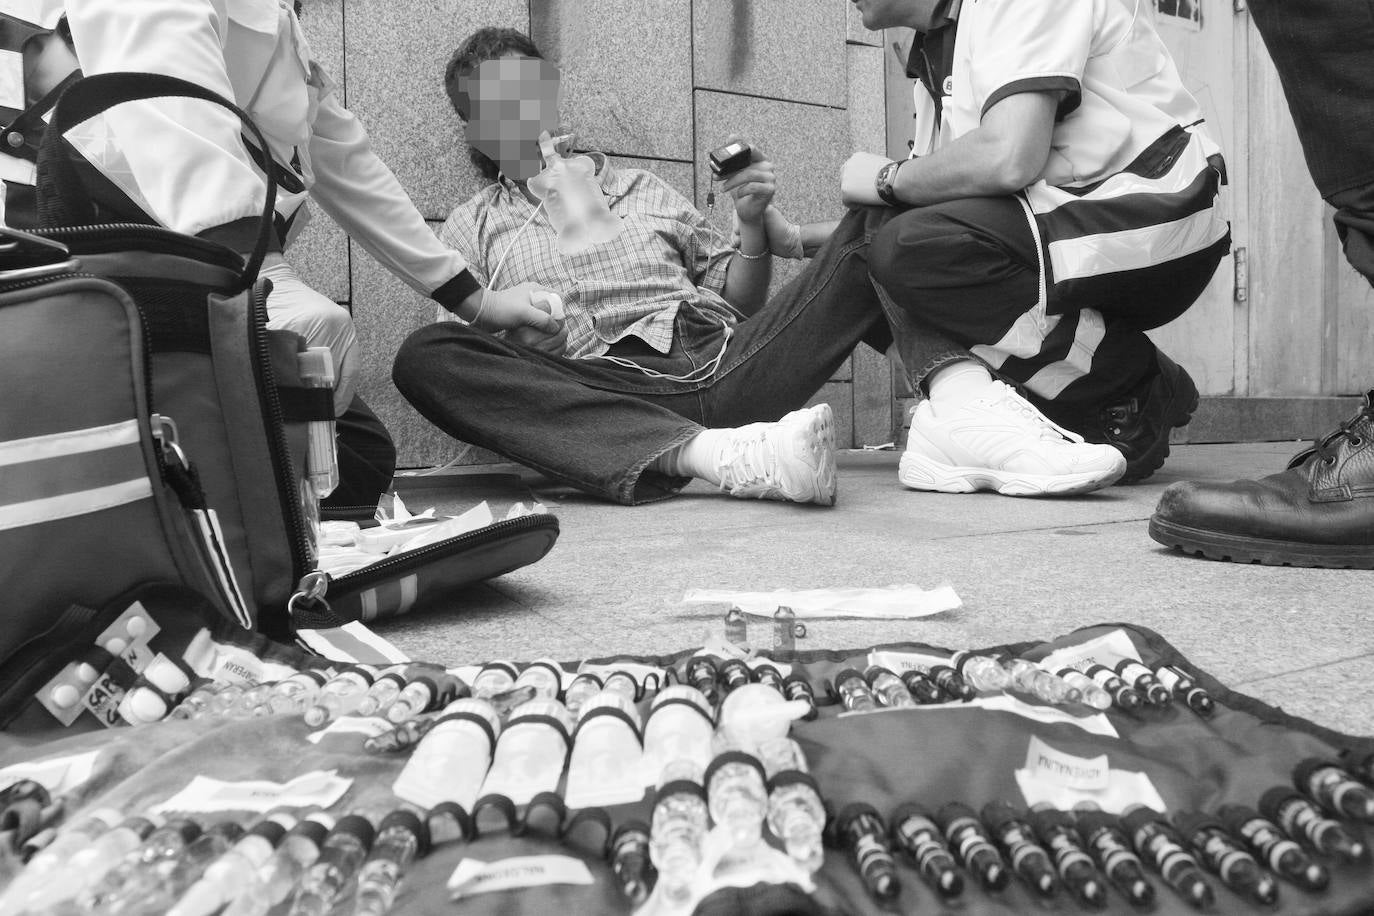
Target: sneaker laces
{"points": [[1045, 427], [1327, 447], [746, 458]]}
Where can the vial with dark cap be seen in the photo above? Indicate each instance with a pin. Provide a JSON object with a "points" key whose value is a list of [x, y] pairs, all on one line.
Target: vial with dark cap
{"points": [[1360, 764], [1017, 840], [797, 687], [951, 683], [860, 831], [1159, 844], [702, 674], [1302, 820], [1144, 682], [1112, 851], [1123, 695], [1328, 784], [915, 833], [1225, 857], [275, 881], [769, 676], [341, 856], [922, 688], [1185, 689], [1056, 830], [966, 836], [1266, 840], [401, 838], [733, 673], [982, 672], [854, 691], [887, 687], [631, 863]]}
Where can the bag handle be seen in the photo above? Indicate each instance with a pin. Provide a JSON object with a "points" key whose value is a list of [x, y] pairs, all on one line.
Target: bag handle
{"points": [[57, 175]]}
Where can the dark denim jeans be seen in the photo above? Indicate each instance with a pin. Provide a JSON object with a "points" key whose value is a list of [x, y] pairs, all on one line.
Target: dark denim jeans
{"points": [[1324, 51], [597, 425]]}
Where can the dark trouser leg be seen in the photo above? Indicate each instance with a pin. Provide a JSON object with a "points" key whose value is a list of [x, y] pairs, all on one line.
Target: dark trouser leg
{"points": [[969, 268], [584, 422], [367, 458], [1324, 51]]}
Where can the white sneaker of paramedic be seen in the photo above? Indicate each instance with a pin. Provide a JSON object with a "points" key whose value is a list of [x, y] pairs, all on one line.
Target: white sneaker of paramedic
{"points": [[792, 459], [999, 441]]}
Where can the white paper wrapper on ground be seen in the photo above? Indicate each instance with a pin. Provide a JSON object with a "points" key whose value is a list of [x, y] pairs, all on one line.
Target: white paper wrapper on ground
{"points": [[892, 602]]}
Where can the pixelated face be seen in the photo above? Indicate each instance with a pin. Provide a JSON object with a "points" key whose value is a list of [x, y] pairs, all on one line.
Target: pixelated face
{"points": [[512, 100]]}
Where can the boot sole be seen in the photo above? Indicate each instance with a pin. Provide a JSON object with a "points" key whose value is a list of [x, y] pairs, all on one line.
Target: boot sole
{"points": [[1236, 549], [921, 473], [1145, 466]]}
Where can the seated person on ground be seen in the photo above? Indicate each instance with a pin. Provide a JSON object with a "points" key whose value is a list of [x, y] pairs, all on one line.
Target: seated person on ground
{"points": [[672, 366]]}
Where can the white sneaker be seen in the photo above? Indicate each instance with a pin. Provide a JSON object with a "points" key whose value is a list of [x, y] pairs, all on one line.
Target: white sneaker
{"points": [[999, 441], [792, 459]]}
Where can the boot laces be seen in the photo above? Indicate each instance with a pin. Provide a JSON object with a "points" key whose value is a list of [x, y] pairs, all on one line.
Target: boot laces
{"points": [[747, 458], [1044, 426], [1328, 447]]}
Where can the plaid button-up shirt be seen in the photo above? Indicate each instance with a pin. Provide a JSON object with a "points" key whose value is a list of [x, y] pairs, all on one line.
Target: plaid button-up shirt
{"points": [[667, 257]]}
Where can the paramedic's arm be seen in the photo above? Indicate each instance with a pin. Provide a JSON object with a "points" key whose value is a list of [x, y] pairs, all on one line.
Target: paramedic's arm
{"points": [[186, 156], [364, 197], [1004, 154]]}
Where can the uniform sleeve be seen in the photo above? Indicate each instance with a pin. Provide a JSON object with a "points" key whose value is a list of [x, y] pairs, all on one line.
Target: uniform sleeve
{"points": [[364, 197], [181, 158], [1028, 47]]}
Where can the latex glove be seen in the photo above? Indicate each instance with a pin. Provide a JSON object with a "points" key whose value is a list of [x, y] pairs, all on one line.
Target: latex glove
{"points": [[514, 311], [784, 236], [752, 187], [295, 307], [857, 176]]}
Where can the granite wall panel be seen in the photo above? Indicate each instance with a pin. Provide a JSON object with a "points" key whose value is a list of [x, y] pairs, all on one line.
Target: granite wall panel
{"points": [[678, 175], [782, 49], [396, 52], [321, 257], [874, 418], [626, 72], [867, 105]]}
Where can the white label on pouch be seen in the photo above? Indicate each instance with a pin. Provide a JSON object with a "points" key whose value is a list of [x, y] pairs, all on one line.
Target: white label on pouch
{"points": [[473, 877], [367, 726], [1107, 649], [901, 662], [1051, 765], [1097, 723], [318, 789]]}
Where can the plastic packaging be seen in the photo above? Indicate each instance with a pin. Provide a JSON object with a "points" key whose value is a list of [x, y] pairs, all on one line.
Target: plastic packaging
{"points": [[574, 201], [530, 751], [341, 856], [754, 713], [451, 761], [796, 814], [677, 828]]}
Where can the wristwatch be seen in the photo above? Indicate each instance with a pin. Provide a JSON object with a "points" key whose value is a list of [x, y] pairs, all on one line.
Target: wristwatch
{"points": [[887, 177]]}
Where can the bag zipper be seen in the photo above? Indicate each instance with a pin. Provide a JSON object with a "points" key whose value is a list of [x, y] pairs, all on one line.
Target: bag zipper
{"points": [[268, 397], [27, 662], [170, 242]]}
